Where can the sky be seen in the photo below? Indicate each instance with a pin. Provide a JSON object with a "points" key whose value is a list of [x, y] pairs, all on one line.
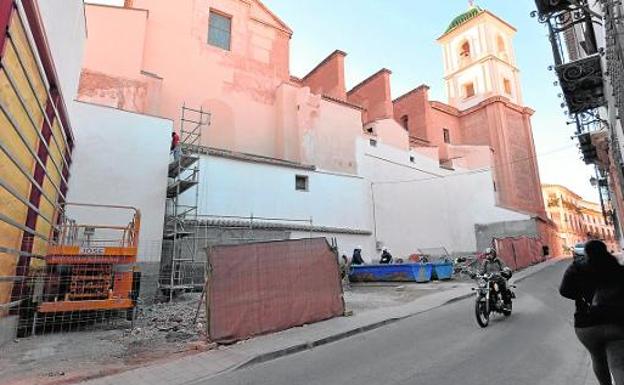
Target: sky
{"points": [[401, 35]]}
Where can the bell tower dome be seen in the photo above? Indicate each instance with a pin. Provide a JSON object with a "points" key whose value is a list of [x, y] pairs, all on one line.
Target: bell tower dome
{"points": [[479, 59]]}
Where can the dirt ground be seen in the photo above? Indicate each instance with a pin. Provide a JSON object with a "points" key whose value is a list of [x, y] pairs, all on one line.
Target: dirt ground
{"points": [[362, 297], [161, 332]]}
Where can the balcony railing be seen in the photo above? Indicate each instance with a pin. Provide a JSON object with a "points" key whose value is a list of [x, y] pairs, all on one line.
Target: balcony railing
{"points": [[545, 8], [582, 84], [578, 63]]}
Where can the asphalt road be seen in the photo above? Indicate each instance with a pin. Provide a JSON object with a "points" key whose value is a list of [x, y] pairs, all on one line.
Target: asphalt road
{"points": [[536, 345]]}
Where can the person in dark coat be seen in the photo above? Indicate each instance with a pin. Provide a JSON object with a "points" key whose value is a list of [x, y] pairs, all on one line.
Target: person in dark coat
{"points": [[357, 257], [386, 257], [596, 284]]}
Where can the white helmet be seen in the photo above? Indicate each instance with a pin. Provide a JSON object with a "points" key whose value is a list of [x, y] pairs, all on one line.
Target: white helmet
{"points": [[358, 247]]}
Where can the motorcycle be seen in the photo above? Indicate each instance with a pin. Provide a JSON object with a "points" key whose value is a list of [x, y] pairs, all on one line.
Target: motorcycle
{"points": [[491, 298]]}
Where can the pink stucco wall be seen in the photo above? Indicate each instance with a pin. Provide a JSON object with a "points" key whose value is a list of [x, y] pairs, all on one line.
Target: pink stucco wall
{"points": [[427, 119], [415, 107], [328, 78], [157, 58], [115, 48], [237, 86], [256, 107], [506, 128], [374, 95]]}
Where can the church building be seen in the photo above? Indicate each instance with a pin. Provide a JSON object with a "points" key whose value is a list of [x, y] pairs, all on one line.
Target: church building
{"points": [[353, 165]]}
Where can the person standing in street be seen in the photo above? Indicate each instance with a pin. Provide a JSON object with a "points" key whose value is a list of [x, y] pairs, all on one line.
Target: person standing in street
{"points": [[386, 257], [596, 284], [357, 256], [345, 268]]}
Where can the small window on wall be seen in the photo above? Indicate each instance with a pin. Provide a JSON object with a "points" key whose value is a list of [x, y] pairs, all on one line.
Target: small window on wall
{"points": [[507, 86], [301, 183], [469, 90], [220, 30], [447, 135], [405, 122], [372, 142]]}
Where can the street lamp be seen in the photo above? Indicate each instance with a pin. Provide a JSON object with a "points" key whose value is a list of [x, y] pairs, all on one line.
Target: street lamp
{"points": [[593, 181]]}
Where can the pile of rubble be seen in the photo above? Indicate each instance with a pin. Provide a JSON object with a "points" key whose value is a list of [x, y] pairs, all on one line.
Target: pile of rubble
{"points": [[173, 322]]}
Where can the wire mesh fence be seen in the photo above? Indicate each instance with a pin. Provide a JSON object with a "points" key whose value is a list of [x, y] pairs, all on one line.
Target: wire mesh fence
{"points": [[87, 290], [188, 273]]}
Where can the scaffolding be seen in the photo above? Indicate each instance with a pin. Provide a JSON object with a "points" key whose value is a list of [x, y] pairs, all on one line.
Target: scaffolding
{"points": [[179, 240]]}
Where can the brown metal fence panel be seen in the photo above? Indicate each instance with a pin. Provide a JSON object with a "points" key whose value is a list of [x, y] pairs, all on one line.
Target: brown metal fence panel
{"points": [[521, 252], [260, 288]]}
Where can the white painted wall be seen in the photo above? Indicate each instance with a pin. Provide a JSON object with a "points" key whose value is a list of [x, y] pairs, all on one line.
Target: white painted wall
{"points": [[347, 243], [234, 187], [426, 213], [420, 205], [121, 158], [65, 30]]}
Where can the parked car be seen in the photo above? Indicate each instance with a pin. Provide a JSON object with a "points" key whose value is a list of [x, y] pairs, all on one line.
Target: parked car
{"points": [[579, 250]]}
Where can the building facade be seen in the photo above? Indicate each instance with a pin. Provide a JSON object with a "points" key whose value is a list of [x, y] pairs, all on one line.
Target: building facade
{"points": [[586, 38], [298, 156], [577, 220], [46, 145], [231, 58], [485, 108], [36, 143]]}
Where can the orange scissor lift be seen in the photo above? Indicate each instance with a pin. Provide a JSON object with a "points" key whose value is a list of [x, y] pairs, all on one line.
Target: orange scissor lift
{"points": [[92, 267]]}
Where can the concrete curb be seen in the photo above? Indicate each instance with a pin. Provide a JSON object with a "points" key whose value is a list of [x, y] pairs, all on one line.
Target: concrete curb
{"points": [[269, 356], [202, 367], [265, 357]]}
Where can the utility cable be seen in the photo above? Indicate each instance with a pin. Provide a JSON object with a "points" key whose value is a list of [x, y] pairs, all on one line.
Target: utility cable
{"points": [[476, 171]]}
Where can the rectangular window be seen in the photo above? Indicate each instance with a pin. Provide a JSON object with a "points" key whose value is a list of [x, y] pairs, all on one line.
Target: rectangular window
{"points": [[372, 142], [507, 86], [447, 135], [220, 30], [301, 183]]}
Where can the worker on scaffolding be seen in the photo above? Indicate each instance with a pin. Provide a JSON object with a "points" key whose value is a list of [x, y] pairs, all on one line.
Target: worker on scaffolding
{"points": [[175, 146]]}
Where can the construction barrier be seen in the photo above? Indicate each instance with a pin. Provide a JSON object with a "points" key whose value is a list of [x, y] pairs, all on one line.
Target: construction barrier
{"points": [[259, 288], [520, 252]]}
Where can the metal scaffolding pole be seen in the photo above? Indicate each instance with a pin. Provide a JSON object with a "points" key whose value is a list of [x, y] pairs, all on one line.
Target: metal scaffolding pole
{"points": [[180, 238]]}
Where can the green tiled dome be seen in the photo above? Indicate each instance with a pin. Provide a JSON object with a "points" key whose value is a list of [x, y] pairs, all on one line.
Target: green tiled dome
{"points": [[471, 13]]}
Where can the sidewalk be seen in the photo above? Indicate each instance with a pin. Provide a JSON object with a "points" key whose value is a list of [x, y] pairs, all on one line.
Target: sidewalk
{"points": [[194, 369]]}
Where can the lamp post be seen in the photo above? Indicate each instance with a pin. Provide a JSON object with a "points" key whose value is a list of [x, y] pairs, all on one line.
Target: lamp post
{"points": [[596, 182]]}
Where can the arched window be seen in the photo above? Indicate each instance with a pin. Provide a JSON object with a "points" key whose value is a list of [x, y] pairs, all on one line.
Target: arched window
{"points": [[405, 122], [464, 50]]}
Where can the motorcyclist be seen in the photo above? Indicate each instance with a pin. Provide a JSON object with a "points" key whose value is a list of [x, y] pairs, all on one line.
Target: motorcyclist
{"points": [[500, 273]]}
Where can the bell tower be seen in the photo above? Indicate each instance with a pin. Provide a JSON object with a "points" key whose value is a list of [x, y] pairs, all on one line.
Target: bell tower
{"points": [[479, 59]]}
